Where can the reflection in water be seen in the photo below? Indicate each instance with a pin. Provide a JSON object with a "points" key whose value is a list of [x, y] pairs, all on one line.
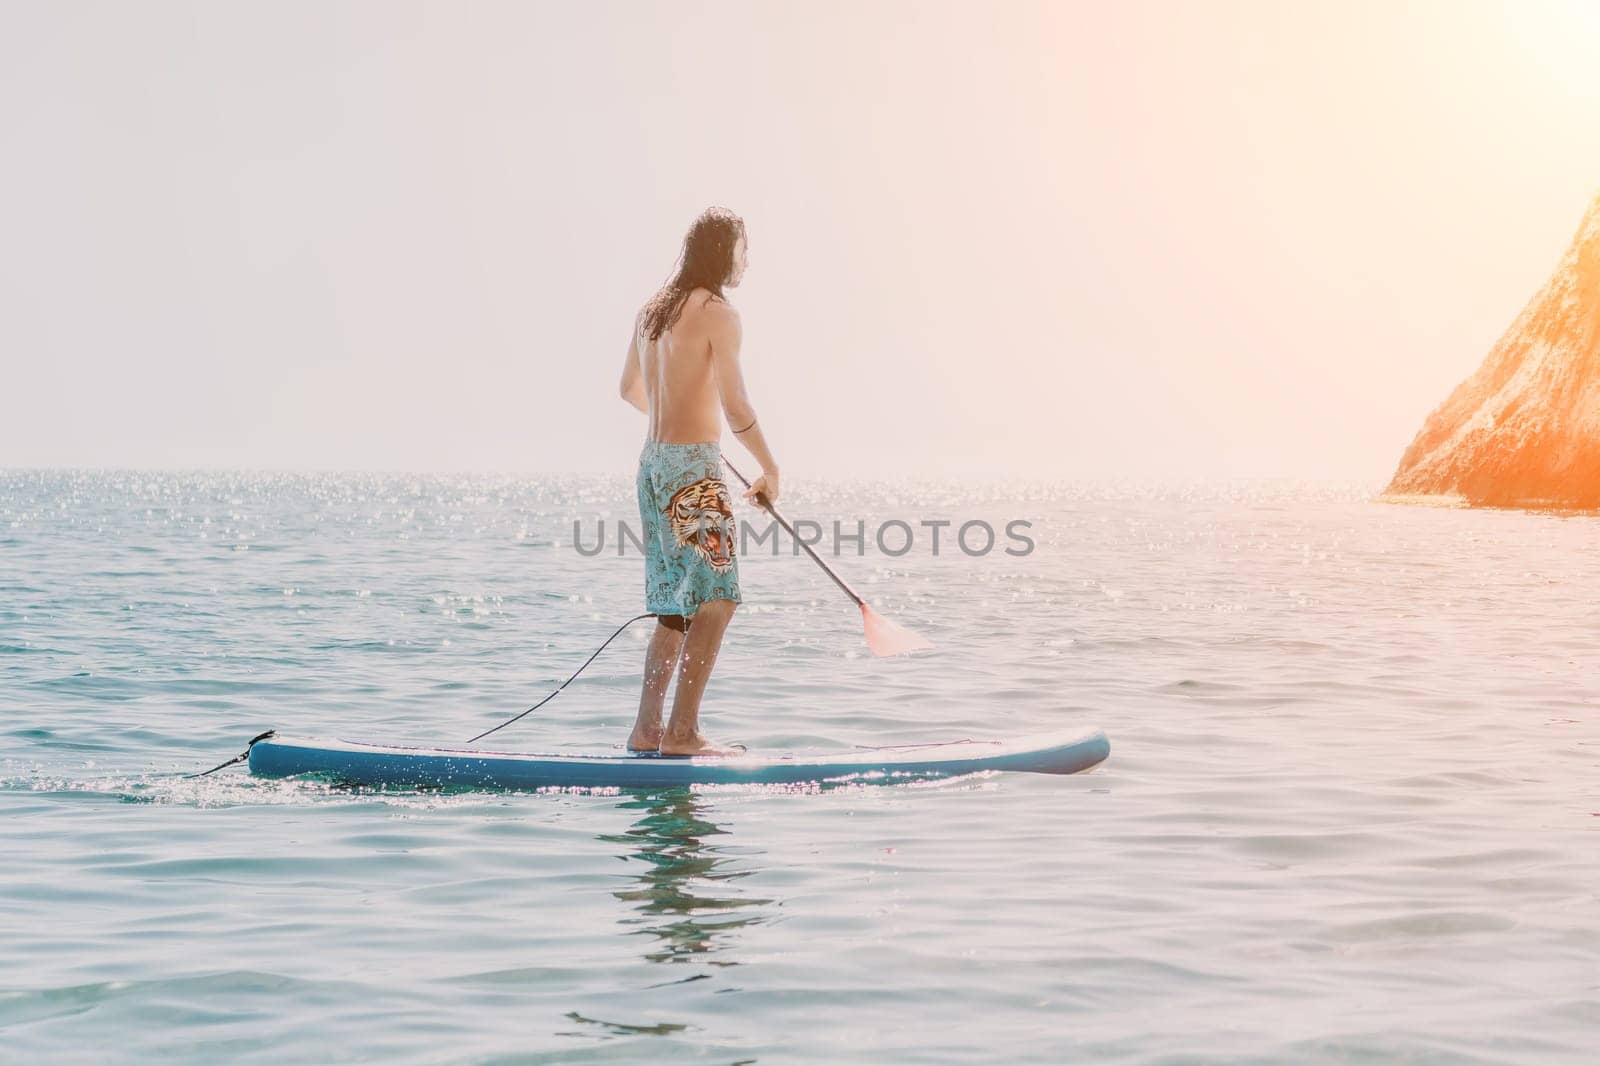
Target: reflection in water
{"points": [[674, 894]]}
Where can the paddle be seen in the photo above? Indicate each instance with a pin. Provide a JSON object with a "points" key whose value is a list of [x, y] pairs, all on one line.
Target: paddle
{"points": [[883, 636]]}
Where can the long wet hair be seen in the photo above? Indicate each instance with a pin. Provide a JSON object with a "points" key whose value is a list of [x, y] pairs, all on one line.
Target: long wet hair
{"points": [[705, 263]]}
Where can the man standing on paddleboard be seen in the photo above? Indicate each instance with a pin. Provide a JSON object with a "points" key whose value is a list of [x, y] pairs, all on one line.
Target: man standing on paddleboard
{"points": [[682, 371]]}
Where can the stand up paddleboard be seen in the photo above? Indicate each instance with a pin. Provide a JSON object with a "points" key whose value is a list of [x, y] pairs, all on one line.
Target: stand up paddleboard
{"points": [[355, 763]]}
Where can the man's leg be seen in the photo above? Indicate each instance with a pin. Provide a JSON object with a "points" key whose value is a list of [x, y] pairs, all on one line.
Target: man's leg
{"points": [[682, 736], [666, 644]]}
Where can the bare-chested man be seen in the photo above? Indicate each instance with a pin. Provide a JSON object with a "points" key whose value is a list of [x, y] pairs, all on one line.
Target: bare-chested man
{"points": [[682, 371]]}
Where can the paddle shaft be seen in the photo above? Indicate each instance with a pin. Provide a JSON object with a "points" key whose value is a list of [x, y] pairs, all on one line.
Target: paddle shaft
{"points": [[784, 522]]}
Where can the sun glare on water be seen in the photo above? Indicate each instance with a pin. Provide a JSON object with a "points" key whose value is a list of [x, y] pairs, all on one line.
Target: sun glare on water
{"points": [[1562, 38]]}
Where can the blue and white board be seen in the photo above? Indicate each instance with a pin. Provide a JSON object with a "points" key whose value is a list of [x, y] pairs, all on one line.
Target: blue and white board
{"points": [[390, 764]]}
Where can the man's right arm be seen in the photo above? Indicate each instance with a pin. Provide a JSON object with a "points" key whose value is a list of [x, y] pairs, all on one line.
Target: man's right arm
{"points": [[726, 337], [632, 388]]}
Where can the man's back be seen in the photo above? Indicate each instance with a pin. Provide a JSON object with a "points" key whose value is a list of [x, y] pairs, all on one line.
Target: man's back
{"points": [[679, 375]]}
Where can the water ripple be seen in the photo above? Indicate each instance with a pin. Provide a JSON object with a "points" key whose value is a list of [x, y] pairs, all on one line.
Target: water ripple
{"points": [[1350, 814]]}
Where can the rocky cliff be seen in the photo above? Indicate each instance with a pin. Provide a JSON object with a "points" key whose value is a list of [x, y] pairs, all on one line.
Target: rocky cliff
{"points": [[1524, 429]]}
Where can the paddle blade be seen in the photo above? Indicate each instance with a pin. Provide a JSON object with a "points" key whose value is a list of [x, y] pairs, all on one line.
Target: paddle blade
{"points": [[886, 638]]}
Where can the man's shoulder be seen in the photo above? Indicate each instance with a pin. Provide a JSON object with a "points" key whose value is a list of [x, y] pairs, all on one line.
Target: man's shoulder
{"points": [[716, 309], [701, 298]]}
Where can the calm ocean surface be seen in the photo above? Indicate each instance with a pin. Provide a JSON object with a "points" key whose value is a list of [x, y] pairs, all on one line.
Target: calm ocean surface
{"points": [[1351, 814]]}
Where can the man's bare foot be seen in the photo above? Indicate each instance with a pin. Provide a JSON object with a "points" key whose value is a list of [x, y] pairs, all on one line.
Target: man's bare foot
{"points": [[644, 739], [697, 745]]}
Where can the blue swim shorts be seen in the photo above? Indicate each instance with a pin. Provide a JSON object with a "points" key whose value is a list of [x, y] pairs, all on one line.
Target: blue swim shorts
{"points": [[689, 531]]}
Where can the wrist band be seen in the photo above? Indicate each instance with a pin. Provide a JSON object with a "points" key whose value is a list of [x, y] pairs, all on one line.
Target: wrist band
{"points": [[746, 429]]}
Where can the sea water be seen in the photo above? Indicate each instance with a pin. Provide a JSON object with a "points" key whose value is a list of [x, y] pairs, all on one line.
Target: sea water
{"points": [[1351, 813]]}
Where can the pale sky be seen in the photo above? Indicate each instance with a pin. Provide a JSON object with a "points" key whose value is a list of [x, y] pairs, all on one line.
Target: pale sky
{"points": [[1085, 241]]}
